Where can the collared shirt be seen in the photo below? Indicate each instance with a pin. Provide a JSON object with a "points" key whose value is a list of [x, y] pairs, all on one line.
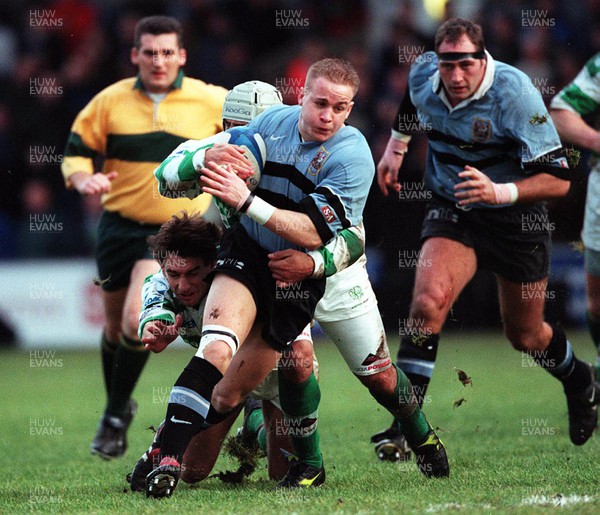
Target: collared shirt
{"points": [[503, 130]]}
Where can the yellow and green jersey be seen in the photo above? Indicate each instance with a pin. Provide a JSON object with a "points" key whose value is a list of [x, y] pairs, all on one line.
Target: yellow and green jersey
{"points": [[134, 133]]}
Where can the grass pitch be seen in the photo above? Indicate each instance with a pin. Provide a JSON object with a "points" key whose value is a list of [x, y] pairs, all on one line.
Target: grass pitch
{"points": [[506, 436]]}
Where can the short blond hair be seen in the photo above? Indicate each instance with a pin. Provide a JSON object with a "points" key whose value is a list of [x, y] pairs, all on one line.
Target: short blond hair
{"points": [[336, 70]]}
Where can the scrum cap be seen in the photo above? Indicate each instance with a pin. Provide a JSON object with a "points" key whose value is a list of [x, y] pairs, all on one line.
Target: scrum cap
{"points": [[247, 100]]}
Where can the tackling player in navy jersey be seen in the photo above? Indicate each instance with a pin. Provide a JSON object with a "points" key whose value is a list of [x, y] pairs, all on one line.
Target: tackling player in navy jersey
{"points": [[493, 158]]}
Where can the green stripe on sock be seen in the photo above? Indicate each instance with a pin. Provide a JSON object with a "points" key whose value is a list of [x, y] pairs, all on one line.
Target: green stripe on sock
{"points": [[300, 403], [414, 426]]}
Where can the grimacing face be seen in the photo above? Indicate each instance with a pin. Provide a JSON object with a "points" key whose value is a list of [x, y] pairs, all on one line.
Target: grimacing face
{"points": [[186, 278], [460, 78], [325, 107], [158, 59]]}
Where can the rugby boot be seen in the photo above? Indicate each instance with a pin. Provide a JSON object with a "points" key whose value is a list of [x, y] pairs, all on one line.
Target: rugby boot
{"points": [[146, 464], [161, 482], [430, 456], [583, 410], [391, 445], [111, 437], [300, 474]]}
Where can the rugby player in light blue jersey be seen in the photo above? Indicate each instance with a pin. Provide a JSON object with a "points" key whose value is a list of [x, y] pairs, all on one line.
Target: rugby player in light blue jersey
{"points": [[313, 186], [347, 311], [493, 159]]}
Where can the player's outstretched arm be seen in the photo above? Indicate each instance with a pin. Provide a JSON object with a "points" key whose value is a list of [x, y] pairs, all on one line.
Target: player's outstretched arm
{"points": [[157, 335], [180, 171], [572, 128]]}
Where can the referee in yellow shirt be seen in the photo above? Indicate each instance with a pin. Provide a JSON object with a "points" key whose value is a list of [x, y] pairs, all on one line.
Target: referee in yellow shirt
{"points": [[134, 124]]}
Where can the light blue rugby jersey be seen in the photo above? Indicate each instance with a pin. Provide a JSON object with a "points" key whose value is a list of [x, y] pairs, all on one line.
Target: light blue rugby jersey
{"points": [[328, 181], [506, 133]]}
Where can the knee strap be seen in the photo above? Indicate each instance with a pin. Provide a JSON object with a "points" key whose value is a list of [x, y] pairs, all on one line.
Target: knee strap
{"points": [[211, 333]]}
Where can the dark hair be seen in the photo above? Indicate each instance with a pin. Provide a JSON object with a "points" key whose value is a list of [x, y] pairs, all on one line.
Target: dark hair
{"points": [[185, 236], [157, 25], [336, 70], [452, 30]]}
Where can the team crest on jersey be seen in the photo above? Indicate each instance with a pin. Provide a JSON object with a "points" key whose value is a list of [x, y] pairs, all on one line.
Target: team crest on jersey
{"points": [[481, 129], [318, 161], [356, 292], [328, 214]]}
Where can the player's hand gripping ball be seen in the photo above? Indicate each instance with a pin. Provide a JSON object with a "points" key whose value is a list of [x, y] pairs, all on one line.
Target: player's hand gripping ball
{"points": [[255, 151]]}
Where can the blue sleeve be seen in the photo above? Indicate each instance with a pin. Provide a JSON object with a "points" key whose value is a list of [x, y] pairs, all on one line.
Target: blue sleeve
{"points": [[339, 199], [527, 121]]}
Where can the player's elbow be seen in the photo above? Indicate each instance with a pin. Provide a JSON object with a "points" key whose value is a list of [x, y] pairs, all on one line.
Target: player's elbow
{"points": [[313, 243], [560, 188]]}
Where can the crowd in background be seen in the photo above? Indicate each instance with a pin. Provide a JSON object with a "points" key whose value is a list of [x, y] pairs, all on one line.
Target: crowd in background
{"points": [[57, 54]]}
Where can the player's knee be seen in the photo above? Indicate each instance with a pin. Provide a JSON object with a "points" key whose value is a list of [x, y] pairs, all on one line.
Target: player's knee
{"points": [[224, 402], [193, 475], [296, 364], [524, 340], [130, 324], [112, 332], [380, 383], [430, 305]]}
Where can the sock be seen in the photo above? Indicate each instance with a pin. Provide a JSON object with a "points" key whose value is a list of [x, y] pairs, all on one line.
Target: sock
{"points": [[560, 361], [256, 426], [189, 406], [594, 327], [300, 403], [129, 361], [402, 404], [416, 358], [261, 438], [107, 350]]}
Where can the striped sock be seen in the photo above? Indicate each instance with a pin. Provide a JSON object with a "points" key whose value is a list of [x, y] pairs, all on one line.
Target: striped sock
{"points": [[300, 403], [189, 406], [416, 358], [560, 361]]}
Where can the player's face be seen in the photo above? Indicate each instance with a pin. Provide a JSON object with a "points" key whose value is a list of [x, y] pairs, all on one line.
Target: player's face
{"points": [[186, 278], [228, 123], [461, 78], [325, 107], [158, 60]]}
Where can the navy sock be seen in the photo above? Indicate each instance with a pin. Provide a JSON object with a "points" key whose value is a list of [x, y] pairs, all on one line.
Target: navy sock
{"points": [[189, 406], [416, 358], [560, 361]]}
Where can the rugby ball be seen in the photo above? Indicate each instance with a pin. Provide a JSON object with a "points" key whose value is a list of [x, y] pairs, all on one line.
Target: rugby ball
{"points": [[255, 151]]}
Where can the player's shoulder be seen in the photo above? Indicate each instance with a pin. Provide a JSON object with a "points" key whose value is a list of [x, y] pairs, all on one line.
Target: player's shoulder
{"points": [[350, 136], [424, 67], [199, 87], [118, 89], [509, 80]]}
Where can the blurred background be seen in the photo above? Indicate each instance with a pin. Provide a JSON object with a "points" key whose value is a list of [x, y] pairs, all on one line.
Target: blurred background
{"points": [[56, 55]]}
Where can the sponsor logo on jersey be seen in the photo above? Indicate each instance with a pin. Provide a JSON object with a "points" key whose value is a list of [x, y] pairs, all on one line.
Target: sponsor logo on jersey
{"points": [[481, 129], [328, 214], [318, 161], [230, 263]]}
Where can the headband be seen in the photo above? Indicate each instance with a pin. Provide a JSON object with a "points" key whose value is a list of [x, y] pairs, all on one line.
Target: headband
{"points": [[459, 56]]}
